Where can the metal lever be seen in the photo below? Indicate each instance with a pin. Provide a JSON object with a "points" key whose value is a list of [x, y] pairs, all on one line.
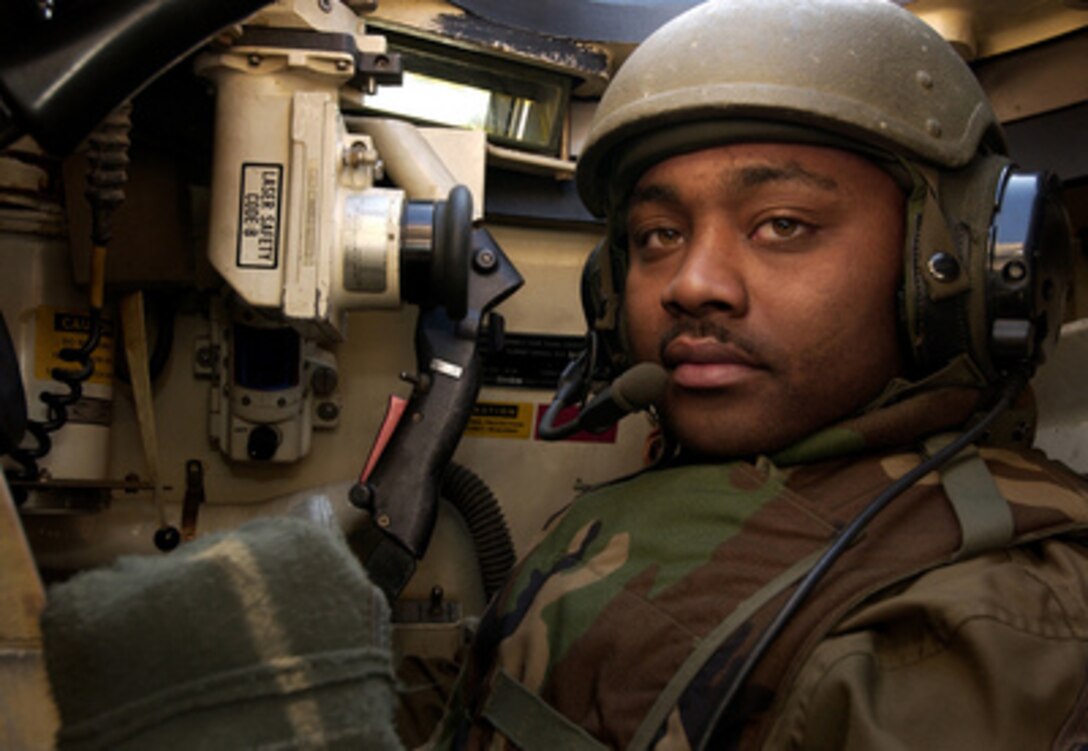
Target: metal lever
{"points": [[400, 491]]}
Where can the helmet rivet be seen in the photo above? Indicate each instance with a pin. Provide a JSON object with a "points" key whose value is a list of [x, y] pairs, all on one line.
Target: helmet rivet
{"points": [[933, 127], [943, 266], [924, 79]]}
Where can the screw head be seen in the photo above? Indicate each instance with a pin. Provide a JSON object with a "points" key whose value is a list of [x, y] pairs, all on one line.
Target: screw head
{"points": [[485, 260], [361, 496], [943, 266]]}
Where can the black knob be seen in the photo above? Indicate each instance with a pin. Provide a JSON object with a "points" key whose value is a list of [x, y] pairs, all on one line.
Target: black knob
{"points": [[167, 538], [263, 442]]}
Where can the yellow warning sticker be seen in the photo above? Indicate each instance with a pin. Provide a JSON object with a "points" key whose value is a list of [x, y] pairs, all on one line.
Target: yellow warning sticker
{"points": [[501, 420], [58, 329]]}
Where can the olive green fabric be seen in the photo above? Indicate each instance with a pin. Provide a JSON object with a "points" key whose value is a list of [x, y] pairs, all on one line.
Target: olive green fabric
{"points": [[529, 721], [986, 523], [635, 577], [268, 637], [990, 653]]}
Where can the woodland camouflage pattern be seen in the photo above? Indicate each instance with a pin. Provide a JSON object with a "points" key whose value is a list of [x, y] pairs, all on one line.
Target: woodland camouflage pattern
{"points": [[634, 575]]}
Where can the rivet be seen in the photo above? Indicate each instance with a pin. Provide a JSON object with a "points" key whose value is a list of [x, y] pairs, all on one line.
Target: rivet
{"points": [[485, 260], [361, 495], [924, 79], [943, 266], [1014, 271], [254, 60], [384, 520], [933, 127]]}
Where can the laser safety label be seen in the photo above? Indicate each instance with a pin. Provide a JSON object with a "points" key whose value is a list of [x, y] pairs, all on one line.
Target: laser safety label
{"points": [[259, 216]]}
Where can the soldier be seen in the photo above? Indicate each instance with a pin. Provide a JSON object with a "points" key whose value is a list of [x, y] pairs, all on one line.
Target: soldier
{"points": [[803, 231]]}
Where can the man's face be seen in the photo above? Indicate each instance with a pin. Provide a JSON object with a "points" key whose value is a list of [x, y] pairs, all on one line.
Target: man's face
{"points": [[764, 277]]}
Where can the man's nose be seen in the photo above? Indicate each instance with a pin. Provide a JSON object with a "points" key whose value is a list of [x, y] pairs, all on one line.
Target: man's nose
{"points": [[710, 278]]}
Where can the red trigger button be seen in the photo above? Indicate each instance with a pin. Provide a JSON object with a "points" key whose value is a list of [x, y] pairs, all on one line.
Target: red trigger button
{"points": [[394, 410]]}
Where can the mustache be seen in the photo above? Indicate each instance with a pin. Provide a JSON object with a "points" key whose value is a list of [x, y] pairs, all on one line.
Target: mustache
{"points": [[707, 329]]}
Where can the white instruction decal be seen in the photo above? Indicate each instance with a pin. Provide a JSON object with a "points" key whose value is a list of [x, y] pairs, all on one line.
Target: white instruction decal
{"points": [[259, 216]]}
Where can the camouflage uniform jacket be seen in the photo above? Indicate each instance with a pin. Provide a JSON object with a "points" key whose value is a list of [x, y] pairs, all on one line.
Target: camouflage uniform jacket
{"points": [[938, 628]]}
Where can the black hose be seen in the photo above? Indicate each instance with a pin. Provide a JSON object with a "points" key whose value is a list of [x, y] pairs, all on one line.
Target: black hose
{"points": [[59, 79], [477, 505]]}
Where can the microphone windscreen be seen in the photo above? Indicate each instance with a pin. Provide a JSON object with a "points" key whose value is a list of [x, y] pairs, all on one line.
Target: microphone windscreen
{"points": [[640, 386]]}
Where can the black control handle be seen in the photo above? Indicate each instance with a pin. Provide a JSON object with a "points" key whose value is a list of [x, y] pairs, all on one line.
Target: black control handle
{"points": [[401, 491]]}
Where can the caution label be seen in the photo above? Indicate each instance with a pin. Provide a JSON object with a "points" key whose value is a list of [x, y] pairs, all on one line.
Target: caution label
{"points": [[501, 420], [59, 329]]}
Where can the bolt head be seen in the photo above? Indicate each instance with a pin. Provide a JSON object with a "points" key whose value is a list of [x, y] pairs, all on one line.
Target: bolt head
{"points": [[944, 267], [361, 496], [485, 260]]}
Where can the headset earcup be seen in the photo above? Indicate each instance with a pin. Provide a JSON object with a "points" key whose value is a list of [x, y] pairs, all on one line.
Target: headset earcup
{"points": [[987, 267], [1029, 268], [945, 234]]}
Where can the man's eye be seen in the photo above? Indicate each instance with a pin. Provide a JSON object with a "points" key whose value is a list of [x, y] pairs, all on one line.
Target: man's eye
{"points": [[658, 237], [781, 228]]}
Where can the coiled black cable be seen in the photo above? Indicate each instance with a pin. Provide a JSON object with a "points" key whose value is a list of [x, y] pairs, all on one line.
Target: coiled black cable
{"points": [[108, 172], [57, 405]]}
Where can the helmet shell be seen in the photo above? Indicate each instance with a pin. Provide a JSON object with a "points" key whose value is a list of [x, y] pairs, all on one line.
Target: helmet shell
{"points": [[866, 70]]}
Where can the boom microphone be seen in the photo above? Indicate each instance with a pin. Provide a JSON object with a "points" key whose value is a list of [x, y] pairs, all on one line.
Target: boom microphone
{"points": [[634, 390]]}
